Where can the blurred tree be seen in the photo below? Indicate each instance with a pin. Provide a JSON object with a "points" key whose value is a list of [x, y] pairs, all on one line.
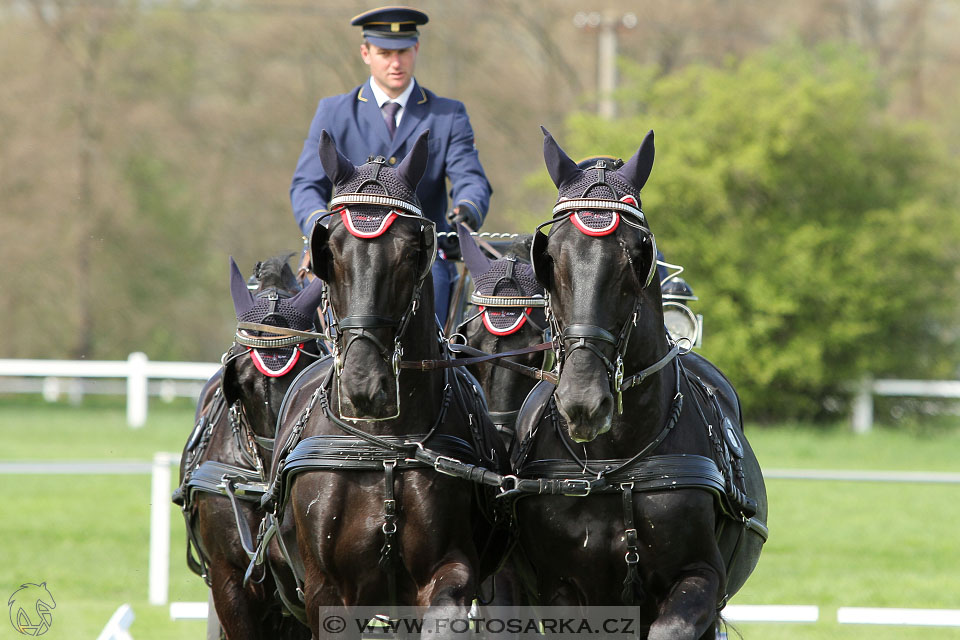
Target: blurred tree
{"points": [[143, 142], [820, 234]]}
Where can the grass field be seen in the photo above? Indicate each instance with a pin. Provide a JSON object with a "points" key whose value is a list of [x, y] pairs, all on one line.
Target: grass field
{"points": [[832, 544]]}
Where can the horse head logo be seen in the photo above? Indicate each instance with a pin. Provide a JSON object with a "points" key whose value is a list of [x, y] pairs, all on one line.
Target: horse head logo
{"points": [[30, 609]]}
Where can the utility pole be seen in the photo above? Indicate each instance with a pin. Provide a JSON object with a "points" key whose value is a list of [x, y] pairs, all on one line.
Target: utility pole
{"points": [[606, 25]]}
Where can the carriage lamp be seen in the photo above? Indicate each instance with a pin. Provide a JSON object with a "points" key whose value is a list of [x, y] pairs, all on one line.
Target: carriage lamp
{"points": [[679, 319]]}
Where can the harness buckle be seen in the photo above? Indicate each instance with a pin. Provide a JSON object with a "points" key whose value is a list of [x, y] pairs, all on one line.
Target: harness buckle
{"points": [[504, 483], [445, 460], [397, 356], [618, 383], [577, 488]]}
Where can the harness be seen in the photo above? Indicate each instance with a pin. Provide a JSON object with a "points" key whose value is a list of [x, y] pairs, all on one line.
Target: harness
{"points": [[722, 474], [214, 477], [357, 450], [238, 483]]}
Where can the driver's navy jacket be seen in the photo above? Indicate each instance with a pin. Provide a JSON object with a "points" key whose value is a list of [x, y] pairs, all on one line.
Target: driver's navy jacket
{"points": [[357, 126]]}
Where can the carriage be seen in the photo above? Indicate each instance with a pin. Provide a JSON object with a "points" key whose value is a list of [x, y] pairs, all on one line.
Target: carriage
{"points": [[600, 442]]}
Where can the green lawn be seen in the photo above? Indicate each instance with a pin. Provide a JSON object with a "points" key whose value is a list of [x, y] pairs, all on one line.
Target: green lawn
{"points": [[832, 544]]}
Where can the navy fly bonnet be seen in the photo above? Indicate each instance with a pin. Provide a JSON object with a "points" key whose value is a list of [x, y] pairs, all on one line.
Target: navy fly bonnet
{"points": [[505, 290], [276, 307]]}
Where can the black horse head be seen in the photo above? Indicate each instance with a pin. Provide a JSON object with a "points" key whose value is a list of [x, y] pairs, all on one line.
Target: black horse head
{"points": [[598, 264], [260, 381], [375, 254], [508, 314]]}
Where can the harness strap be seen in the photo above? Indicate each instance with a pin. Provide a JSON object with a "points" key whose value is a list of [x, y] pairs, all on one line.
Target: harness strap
{"points": [[196, 561], [389, 552], [246, 539], [654, 473], [632, 583], [482, 356], [637, 378], [588, 331]]}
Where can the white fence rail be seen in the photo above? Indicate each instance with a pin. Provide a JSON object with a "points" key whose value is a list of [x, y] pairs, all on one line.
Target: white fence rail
{"points": [[862, 415], [136, 370]]}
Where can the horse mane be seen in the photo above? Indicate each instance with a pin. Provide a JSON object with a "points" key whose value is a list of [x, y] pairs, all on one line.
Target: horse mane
{"points": [[276, 272], [520, 249]]}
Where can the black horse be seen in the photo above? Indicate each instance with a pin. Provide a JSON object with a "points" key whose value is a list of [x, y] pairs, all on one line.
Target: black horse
{"points": [[224, 463], [506, 314], [364, 519], [657, 498]]}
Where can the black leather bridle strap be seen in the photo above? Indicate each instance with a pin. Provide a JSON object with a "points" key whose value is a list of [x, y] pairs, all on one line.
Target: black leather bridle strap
{"points": [[589, 331]]}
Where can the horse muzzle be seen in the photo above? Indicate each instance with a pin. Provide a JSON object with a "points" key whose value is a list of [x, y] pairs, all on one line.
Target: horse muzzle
{"points": [[368, 387], [587, 409]]}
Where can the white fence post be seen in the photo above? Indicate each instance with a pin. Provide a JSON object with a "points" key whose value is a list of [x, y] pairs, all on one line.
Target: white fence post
{"points": [[118, 626], [863, 407], [160, 528], [137, 389]]}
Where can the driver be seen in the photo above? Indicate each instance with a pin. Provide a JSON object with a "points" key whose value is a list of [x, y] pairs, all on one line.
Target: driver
{"points": [[384, 116]]}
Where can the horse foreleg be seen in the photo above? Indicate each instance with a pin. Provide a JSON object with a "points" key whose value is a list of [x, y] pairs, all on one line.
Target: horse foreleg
{"points": [[690, 610], [238, 609], [448, 595]]}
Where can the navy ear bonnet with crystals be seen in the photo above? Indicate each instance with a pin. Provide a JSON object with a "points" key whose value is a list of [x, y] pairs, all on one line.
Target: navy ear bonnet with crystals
{"points": [[370, 221], [602, 178], [507, 276], [597, 199], [363, 194], [276, 307], [507, 280]]}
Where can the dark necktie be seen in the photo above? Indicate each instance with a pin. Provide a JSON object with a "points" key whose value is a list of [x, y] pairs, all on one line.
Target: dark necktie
{"points": [[390, 116]]}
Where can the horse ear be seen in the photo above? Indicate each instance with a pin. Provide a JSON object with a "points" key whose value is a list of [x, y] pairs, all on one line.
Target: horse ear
{"points": [[559, 165], [307, 300], [477, 262], [411, 169], [242, 299], [637, 169], [320, 251], [541, 261], [335, 165]]}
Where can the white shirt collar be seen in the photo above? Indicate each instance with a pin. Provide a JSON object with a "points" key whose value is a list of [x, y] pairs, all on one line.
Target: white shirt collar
{"points": [[382, 97]]}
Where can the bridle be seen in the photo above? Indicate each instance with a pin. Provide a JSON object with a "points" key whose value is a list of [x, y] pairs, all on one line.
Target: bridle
{"points": [[271, 337], [345, 332], [503, 420], [586, 336]]}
